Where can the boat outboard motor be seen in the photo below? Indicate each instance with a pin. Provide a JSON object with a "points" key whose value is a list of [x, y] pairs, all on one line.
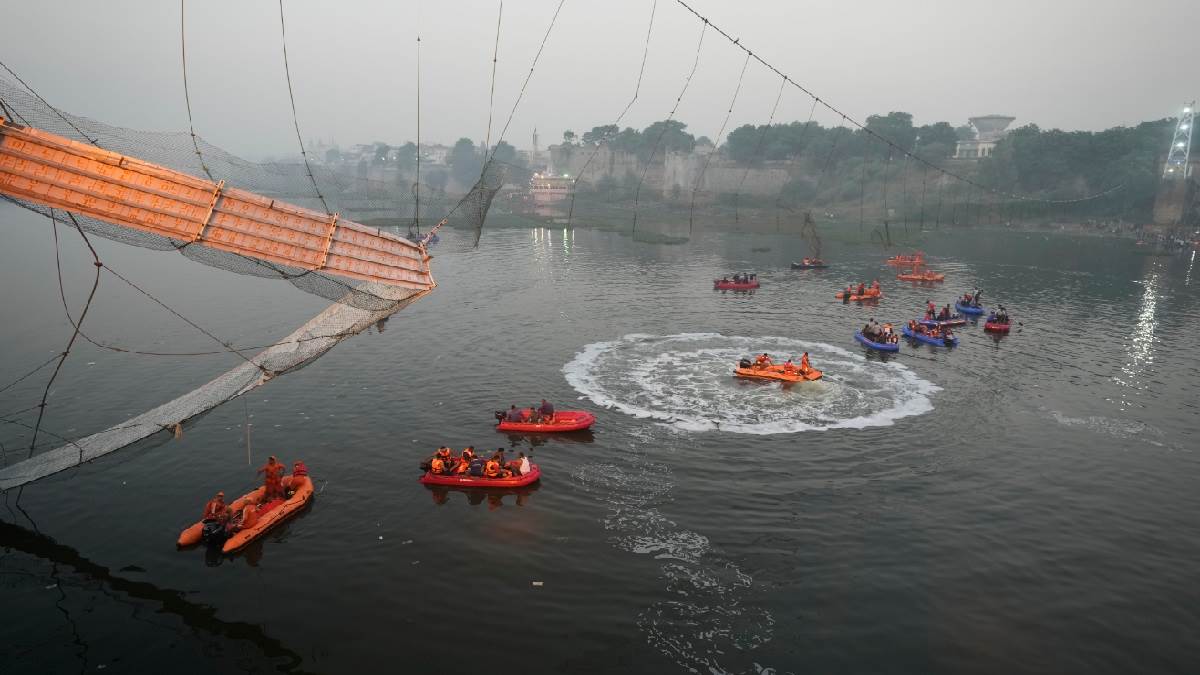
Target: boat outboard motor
{"points": [[501, 415], [213, 532], [745, 363]]}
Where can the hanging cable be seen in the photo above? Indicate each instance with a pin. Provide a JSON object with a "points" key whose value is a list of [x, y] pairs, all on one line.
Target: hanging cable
{"points": [[295, 119], [47, 104], [416, 223], [757, 148], [716, 145], [796, 158], [186, 96], [924, 186], [617, 122], [492, 96], [736, 42], [654, 149], [74, 334], [862, 198]]}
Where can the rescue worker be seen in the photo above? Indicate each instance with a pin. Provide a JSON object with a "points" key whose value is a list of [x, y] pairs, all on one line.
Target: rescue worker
{"points": [[804, 365], [861, 289], [846, 295], [272, 473], [299, 472], [930, 308], [515, 415], [788, 367], [875, 286], [464, 460], [216, 509], [437, 467], [547, 411], [762, 361], [492, 469]]}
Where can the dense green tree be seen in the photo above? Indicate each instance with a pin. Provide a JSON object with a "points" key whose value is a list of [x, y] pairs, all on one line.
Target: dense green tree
{"points": [[669, 135], [465, 162], [601, 134]]}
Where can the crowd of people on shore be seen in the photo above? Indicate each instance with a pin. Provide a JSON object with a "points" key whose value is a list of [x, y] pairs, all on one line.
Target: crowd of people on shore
{"points": [[467, 463]]}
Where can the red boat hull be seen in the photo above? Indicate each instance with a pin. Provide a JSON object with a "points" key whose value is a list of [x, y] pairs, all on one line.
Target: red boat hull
{"points": [[564, 420], [997, 327], [477, 482], [733, 286]]}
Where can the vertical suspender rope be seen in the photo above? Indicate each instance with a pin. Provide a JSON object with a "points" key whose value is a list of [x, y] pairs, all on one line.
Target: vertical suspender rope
{"points": [[654, 149], [720, 135], [296, 120], [492, 96], [616, 123], [187, 99], [757, 147]]}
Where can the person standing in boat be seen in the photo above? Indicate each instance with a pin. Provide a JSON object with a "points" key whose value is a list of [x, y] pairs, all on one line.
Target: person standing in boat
{"points": [[547, 411], [272, 473], [805, 368]]}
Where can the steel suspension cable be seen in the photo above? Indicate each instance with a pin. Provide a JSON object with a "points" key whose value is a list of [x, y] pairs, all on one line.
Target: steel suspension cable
{"points": [[187, 99], [670, 118], [757, 148], [617, 123], [720, 135], [295, 119], [737, 42]]}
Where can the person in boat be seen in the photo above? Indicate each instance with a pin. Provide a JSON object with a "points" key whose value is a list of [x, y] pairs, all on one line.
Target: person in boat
{"points": [[519, 466], [437, 467], [547, 410], [944, 315], [846, 295], [725, 279], [805, 368], [875, 286], [216, 509], [789, 368], [535, 417], [272, 473], [930, 308], [495, 469], [292, 482], [464, 460], [862, 288], [975, 295], [246, 519], [515, 415], [762, 361]]}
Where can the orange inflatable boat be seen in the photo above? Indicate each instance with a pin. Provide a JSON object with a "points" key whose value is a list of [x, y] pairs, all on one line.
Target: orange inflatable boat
{"points": [[268, 515], [868, 294], [777, 373], [921, 276]]}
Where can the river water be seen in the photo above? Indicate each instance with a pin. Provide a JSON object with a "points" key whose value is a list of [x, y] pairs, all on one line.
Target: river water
{"points": [[1021, 504]]}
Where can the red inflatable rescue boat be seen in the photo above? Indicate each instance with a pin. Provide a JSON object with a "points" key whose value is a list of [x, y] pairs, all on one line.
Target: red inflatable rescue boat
{"points": [[564, 420], [722, 285], [463, 480]]}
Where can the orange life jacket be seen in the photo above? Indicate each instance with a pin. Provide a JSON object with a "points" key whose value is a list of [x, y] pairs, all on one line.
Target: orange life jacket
{"points": [[214, 509], [804, 367], [437, 466], [491, 469]]}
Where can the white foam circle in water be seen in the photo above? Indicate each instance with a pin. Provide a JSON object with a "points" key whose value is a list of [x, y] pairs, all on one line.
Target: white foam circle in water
{"points": [[687, 381]]}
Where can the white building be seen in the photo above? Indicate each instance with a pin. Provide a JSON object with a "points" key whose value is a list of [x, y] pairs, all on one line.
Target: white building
{"points": [[989, 129]]}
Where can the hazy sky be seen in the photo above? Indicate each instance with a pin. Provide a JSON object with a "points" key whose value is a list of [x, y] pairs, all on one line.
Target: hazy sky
{"points": [[1074, 64]]}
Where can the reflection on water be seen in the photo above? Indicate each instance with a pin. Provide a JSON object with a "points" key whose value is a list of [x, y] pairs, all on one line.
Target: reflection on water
{"points": [[476, 496], [1140, 348]]}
